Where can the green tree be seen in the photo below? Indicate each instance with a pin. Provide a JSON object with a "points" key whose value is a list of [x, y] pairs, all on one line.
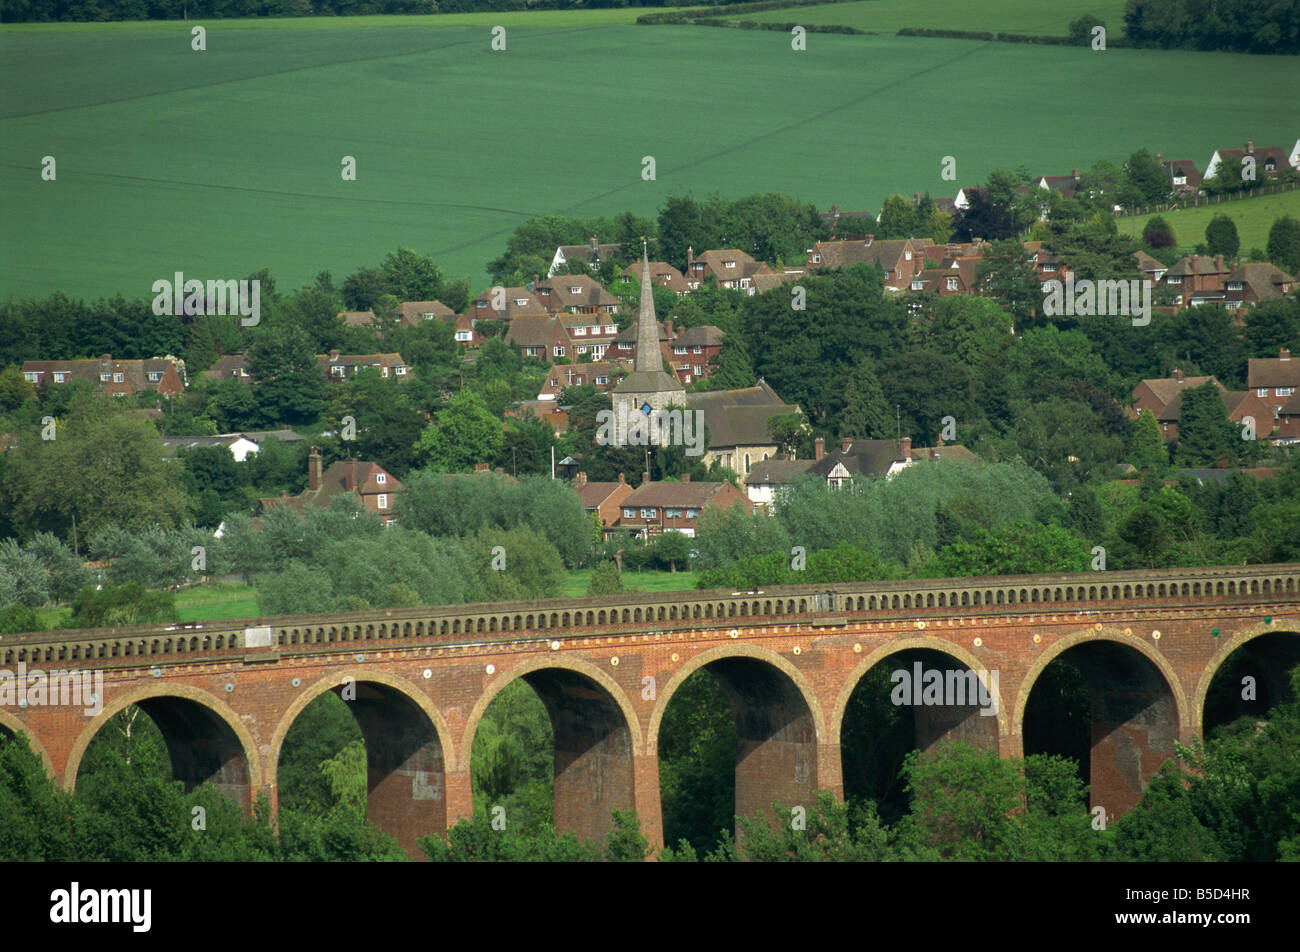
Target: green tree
{"points": [[1221, 237], [1284, 244], [673, 548], [1158, 233], [897, 218], [288, 383], [1148, 448], [1203, 429], [1147, 176], [463, 434]]}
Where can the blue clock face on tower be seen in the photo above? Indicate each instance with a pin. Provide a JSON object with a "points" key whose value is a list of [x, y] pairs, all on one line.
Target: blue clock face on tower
{"points": [[645, 408]]}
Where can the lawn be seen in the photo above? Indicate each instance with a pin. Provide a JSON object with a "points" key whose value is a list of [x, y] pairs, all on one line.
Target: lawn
{"points": [[217, 601], [1252, 216], [648, 581], [219, 163], [1005, 16]]}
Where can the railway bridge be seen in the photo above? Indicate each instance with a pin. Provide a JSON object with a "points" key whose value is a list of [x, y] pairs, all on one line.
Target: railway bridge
{"points": [[225, 694]]}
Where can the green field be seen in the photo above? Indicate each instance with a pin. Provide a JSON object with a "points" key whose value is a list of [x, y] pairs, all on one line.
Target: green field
{"points": [[1005, 16], [647, 581], [222, 162], [1252, 216]]}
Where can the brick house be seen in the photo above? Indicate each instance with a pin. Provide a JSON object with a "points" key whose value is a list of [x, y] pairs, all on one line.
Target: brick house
{"points": [[901, 259], [1289, 420], [1274, 379], [1253, 282], [163, 376], [543, 337], [662, 274], [515, 302], [603, 375], [577, 294], [737, 423], [731, 266], [370, 482], [1198, 279], [1151, 269], [691, 352], [1164, 398], [1269, 161], [1184, 179], [229, 367], [591, 333], [655, 508], [860, 458], [416, 312], [591, 254], [604, 499], [338, 366]]}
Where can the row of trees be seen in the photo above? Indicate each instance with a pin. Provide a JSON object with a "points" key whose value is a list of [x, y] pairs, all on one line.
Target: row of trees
{"points": [[1234, 25]]}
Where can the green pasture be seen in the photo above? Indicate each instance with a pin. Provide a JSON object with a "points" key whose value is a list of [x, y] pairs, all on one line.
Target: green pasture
{"points": [[1033, 17], [1252, 216], [222, 162]]}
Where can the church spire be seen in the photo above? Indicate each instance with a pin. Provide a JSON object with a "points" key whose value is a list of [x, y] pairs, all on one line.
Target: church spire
{"points": [[648, 357]]}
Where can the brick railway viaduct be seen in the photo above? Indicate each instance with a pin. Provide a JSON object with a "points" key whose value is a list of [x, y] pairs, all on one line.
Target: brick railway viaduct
{"points": [[226, 693]]}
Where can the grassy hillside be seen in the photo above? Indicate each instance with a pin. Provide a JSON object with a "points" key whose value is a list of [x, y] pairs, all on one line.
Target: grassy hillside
{"points": [[1005, 16], [221, 162], [1252, 216]]}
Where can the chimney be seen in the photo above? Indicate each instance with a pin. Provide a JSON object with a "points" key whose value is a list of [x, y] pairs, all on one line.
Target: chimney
{"points": [[1160, 158], [1250, 146], [939, 443], [690, 259], [594, 243], [1283, 354], [916, 198], [906, 444], [845, 443], [870, 239], [820, 444], [334, 356], [314, 470], [1218, 262], [1075, 173], [645, 479], [581, 479], [480, 467], [686, 477], [1178, 375], [622, 480], [352, 474]]}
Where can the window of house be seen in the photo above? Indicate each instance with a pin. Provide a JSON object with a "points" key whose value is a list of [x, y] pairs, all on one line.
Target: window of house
{"points": [[383, 500], [907, 256], [679, 350], [427, 315], [648, 513], [1180, 179], [338, 371], [629, 513], [400, 371], [917, 285], [1049, 266], [1234, 285], [118, 378], [952, 284], [33, 375], [573, 290], [1261, 392], [579, 332], [381, 477], [817, 259], [697, 350], [463, 335], [559, 351], [699, 370], [692, 513], [154, 376], [601, 381], [672, 513], [104, 378], [58, 377], [728, 264], [1285, 391], [1174, 279]]}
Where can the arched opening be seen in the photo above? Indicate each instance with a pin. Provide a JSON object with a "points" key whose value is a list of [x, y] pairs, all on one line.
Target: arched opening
{"points": [[735, 736], [1131, 719], [176, 738], [1250, 682], [913, 699], [553, 746], [402, 774]]}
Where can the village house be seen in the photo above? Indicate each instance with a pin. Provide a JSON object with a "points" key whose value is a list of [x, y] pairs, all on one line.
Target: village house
{"points": [[341, 367], [358, 318], [731, 267], [1151, 269], [369, 482], [543, 337], [1184, 179], [1269, 161], [577, 294], [901, 259], [1163, 396], [1274, 379], [591, 254], [241, 445], [1256, 281], [688, 353], [1198, 279], [514, 302], [164, 376], [860, 458], [417, 312], [662, 274], [1288, 420], [604, 499], [603, 375], [655, 508], [229, 367]]}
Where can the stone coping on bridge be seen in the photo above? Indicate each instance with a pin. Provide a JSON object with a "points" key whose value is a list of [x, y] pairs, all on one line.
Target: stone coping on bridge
{"points": [[830, 603]]}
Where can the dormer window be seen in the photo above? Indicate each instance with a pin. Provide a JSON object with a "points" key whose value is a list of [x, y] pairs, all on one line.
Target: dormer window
{"points": [[1049, 266], [381, 477], [917, 285], [573, 290], [118, 378], [817, 259], [907, 256], [952, 284], [728, 264]]}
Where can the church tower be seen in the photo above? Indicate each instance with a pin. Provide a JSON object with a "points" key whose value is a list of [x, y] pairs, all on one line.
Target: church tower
{"points": [[649, 387]]}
